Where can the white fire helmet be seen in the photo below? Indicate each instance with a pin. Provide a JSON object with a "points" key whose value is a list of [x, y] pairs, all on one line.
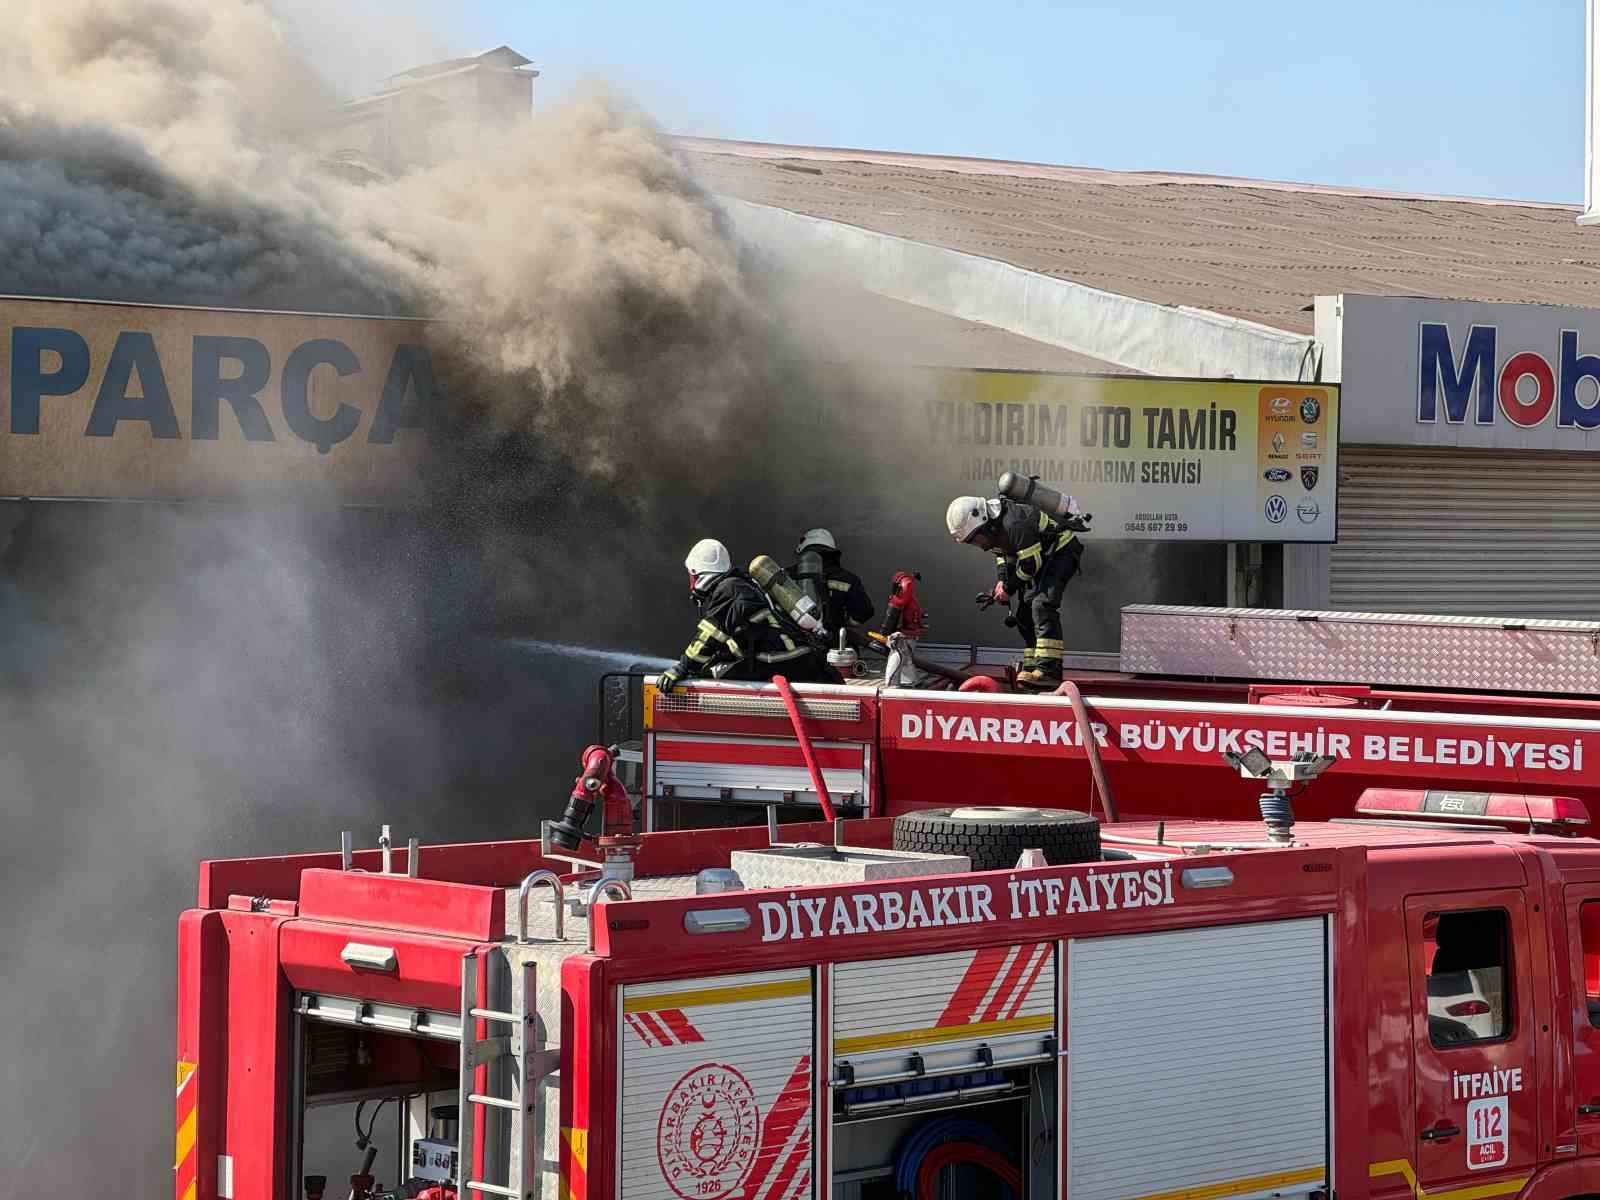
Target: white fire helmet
{"points": [[967, 514], [816, 537], [709, 557]]}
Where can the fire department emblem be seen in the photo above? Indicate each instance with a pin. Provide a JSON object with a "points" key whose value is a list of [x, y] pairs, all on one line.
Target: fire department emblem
{"points": [[1310, 410], [709, 1130], [1308, 476]]}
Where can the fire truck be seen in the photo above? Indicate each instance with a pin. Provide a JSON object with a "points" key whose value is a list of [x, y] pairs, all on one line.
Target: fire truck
{"points": [[1464, 707], [1401, 1003]]}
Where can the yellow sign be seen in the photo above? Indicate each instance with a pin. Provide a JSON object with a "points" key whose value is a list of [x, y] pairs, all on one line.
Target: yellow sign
{"points": [[1167, 459], [116, 401]]}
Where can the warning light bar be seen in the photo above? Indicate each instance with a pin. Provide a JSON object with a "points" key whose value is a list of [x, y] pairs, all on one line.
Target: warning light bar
{"points": [[1554, 814]]}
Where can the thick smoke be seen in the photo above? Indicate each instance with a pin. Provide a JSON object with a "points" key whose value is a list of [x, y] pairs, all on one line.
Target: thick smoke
{"points": [[177, 683]]}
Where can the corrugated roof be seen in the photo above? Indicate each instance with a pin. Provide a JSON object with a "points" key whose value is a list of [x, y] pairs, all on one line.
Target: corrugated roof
{"points": [[1254, 249]]}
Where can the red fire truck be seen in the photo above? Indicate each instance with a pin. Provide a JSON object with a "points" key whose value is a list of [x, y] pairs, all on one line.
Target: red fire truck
{"points": [[1448, 704], [1401, 1004]]}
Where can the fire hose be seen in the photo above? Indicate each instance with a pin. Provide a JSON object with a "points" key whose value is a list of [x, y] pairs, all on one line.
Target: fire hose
{"points": [[1091, 748], [787, 692], [863, 640], [952, 1141]]}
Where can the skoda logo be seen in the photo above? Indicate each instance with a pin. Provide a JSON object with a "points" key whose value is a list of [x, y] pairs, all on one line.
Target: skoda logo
{"points": [[1308, 511], [1310, 410], [1277, 509]]}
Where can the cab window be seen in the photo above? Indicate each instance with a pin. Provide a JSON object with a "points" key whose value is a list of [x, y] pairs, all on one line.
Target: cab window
{"points": [[1589, 923], [1468, 957]]}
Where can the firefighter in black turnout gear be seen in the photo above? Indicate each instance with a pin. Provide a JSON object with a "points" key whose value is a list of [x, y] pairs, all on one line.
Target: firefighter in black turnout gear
{"points": [[1036, 556], [837, 592], [740, 635]]}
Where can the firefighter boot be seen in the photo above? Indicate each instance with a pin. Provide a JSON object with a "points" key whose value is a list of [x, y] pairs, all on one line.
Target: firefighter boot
{"points": [[1043, 676]]}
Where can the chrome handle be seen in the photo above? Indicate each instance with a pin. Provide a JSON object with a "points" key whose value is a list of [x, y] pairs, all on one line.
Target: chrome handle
{"points": [[535, 879], [608, 889]]}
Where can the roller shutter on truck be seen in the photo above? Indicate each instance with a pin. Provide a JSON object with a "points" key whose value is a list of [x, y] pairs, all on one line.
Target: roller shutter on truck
{"points": [[1197, 1063], [716, 1086], [953, 1011]]}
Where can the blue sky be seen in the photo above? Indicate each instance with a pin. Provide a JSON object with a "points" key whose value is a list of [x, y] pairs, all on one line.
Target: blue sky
{"points": [[1469, 97]]}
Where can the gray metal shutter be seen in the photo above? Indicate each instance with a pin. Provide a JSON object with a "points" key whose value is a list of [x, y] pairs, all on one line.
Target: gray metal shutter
{"points": [[944, 1007], [1464, 532], [1197, 1059], [716, 1085]]}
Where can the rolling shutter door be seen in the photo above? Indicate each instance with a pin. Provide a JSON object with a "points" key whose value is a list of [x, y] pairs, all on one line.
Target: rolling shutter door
{"points": [[1470, 533], [1197, 1063], [956, 1011], [716, 1087]]}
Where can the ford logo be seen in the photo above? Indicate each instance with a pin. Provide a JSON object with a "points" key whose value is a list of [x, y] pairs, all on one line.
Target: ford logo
{"points": [[1275, 474]]}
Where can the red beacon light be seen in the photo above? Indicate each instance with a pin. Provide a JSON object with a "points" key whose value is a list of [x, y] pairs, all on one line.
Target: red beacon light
{"points": [[1562, 815]]}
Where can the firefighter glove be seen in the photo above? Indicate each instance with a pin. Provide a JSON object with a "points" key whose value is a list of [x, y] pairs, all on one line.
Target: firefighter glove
{"points": [[667, 680], [1000, 596]]}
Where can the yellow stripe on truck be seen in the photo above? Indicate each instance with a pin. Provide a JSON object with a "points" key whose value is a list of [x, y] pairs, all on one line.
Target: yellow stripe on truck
{"points": [[1239, 1187], [700, 997], [1038, 1023], [185, 1140], [1480, 1191]]}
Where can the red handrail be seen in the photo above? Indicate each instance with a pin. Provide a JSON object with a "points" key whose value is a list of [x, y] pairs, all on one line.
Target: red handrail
{"points": [[787, 692]]}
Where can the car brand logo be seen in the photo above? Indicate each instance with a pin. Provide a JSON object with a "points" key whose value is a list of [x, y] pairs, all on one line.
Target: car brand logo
{"points": [[1308, 440], [1308, 476], [1277, 509], [1308, 511], [1279, 442], [1310, 410], [1275, 474], [1282, 406]]}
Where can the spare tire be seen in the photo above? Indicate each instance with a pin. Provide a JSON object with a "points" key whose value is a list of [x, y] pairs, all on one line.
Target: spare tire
{"points": [[994, 837]]}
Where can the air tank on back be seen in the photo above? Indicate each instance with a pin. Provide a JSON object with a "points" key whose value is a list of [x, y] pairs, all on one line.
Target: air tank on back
{"points": [[786, 594], [1025, 489]]}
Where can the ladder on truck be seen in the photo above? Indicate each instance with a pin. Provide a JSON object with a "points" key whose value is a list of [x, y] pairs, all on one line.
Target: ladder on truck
{"points": [[518, 1068]]}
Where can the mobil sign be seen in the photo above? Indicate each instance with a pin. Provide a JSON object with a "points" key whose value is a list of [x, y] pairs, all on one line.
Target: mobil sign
{"points": [[1460, 373]]}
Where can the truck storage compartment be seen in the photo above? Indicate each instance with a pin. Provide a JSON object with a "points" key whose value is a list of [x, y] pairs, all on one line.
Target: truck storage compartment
{"points": [[716, 1087], [1198, 1059], [944, 1068]]}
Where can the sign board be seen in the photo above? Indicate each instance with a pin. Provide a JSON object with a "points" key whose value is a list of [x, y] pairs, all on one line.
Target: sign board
{"points": [[134, 402], [1152, 459], [1419, 372]]}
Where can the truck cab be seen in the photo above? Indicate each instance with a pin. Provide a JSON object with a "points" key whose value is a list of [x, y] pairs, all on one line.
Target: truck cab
{"points": [[1386, 1008]]}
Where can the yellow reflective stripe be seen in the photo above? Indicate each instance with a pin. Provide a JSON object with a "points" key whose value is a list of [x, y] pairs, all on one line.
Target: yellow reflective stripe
{"points": [[1056, 642], [1062, 541], [578, 1143], [1237, 1187], [765, 616], [1037, 1023], [185, 1138], [838, 585], [185, 1069], [1044, 522], [190, 1192], [1481, 1191], [696, 653], [701, 997], [707, 629]]}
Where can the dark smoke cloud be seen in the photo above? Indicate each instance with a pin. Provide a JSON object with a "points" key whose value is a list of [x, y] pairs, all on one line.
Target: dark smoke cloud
{"points": [[179, 683], [91, 214]]}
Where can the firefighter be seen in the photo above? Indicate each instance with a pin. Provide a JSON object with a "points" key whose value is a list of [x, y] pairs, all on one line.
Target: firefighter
{"points": [[838, 592], [1036, 556], [740, 635]]}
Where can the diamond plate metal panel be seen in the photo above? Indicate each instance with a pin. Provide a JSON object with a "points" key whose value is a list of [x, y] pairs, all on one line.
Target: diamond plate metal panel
{"points": [[1397, 649]]}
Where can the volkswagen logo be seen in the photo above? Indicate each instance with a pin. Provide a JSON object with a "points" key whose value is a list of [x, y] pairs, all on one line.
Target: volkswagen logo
{"points": [[1277, 509]]}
